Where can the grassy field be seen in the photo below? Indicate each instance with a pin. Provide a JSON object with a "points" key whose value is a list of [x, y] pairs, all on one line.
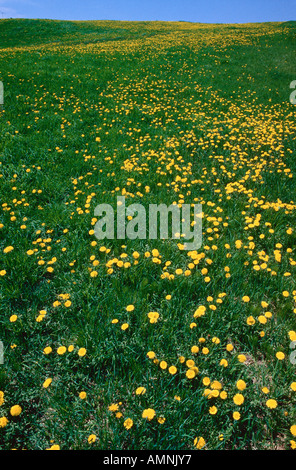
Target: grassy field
{"points": [[181, 113]]}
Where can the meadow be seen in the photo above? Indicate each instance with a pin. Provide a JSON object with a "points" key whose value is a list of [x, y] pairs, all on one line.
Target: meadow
{"points": [[140, 344]]}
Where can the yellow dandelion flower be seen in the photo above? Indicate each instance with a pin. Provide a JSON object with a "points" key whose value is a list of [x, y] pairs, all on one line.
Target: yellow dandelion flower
{"points": [[130, 308], [61, 350], [8, 249], [238, 399], [149, 414], [151, 354], [128, 423], [241, 384], [271, 403], [280, 355], [81, 352], [47, 383], [47, 350], [190, 374], [199, 442], [3, 421], [241, 358], [213, 410], [15, 410]]}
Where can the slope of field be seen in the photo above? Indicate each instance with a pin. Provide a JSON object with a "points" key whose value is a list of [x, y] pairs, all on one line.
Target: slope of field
{"points": [[140, 344]]}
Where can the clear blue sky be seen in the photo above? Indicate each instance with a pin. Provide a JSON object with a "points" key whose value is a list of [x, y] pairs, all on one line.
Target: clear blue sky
{"points": [[202, 11]]}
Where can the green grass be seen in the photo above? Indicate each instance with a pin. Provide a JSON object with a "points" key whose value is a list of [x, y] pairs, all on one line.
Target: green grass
{"points": [[158, 112]]}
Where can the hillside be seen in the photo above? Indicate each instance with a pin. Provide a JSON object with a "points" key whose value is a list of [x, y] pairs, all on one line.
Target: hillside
{"points": [[126, 343]]}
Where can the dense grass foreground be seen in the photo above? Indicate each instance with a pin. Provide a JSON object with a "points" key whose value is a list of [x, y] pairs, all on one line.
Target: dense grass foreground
{"points": [[122, 344]]}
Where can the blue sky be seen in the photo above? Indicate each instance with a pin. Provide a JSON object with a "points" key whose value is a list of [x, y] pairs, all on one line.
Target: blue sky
{"points": [[202, 11]]}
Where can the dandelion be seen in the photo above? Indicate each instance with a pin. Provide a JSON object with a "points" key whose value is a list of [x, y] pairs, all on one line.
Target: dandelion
{"points": [[148, 414], [292, 335], [47, 383], [91, 438], [15, 410], [224, 363], [130, 308], [113, 407], [81, 352], [199, 442], [61, 350], [236, 415], [206, 381], [3, 421], [271, 403], [216, 385], [262, 319], [200, 311], [128, 423], [293, 444], [151, 354], [241, 358], [8, 249], [241, 385], [213, 410], [223, 395], [54, 447], [238, 399], [190, 374], [153, 316], [140, 391], [47, 350]]}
